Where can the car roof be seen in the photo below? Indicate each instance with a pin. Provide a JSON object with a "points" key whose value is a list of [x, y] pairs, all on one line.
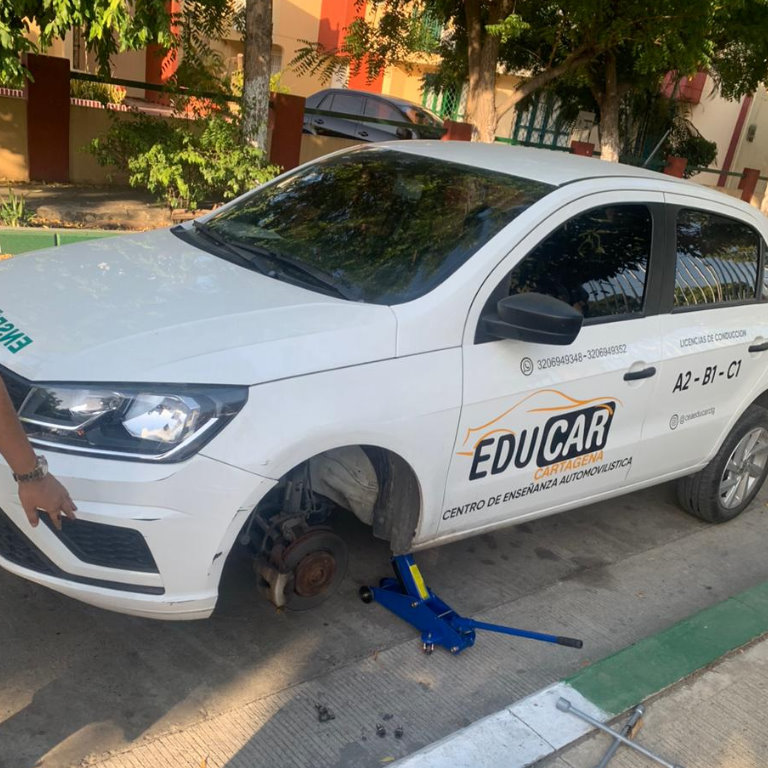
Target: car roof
{"points": [[545, 165], [382, 96]]}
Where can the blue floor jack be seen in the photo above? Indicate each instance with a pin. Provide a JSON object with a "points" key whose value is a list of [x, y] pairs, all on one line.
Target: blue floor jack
{"points": [[408, 597]]}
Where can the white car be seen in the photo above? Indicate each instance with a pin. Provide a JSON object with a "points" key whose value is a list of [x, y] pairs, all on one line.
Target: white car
{"points": [[444, 338]]}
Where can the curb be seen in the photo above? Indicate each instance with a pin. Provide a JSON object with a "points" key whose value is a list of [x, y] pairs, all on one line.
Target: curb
{"points": [[533, 728]]}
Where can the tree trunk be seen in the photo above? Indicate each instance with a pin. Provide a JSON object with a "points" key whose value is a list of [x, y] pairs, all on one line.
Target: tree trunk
{"points": [[483, 56], [608, 101], [256, 71]]}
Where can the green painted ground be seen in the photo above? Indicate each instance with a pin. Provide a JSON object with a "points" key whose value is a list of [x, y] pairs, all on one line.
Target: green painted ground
{"points": [[637, 672], [22, 239]]}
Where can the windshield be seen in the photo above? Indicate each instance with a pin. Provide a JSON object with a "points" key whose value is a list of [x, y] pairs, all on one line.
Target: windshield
{"points": [[421, 115], [385, 226]]}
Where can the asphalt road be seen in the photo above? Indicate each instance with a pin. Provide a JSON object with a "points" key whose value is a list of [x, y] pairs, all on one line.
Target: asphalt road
{"points": [[78, 684]]}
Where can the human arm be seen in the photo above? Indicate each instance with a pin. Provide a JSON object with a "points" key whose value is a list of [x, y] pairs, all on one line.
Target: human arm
{"points": [[46, 493]]}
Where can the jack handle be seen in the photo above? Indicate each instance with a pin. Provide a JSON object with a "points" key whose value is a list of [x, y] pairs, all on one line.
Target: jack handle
{"points": [[571, 642]]}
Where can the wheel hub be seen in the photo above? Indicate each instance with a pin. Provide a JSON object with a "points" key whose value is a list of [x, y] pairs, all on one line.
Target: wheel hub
{"points": [[744, 468], [314, 574], [302, 573]]}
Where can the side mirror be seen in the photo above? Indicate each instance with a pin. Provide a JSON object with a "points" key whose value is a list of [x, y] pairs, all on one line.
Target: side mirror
{"points": [[404, 133], [535, 318]]}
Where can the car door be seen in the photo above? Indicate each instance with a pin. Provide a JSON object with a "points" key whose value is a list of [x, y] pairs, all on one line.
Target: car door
{"points": [[377, 109], [542, 426], [715, 333], [350, 105]]}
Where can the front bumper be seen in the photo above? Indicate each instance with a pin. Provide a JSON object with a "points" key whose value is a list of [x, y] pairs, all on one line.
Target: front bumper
{"points": [[150, 540]]}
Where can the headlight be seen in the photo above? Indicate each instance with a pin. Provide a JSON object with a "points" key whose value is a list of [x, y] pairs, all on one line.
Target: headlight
{"points": [[151, 423]]}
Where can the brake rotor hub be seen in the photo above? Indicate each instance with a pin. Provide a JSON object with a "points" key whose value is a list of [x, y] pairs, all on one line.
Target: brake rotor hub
{"points": [[301, 574], [314, 574]]}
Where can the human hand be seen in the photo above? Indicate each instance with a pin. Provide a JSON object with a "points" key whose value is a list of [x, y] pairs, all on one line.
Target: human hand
{"points": [[46, 495]]}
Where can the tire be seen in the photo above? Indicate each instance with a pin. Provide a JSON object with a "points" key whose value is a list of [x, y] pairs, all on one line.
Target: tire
{"points": [[728, 484]]}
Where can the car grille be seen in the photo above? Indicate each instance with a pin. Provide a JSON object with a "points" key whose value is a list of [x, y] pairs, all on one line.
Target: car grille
{"points": [[18, 549], [18, 387], [108, 545]]}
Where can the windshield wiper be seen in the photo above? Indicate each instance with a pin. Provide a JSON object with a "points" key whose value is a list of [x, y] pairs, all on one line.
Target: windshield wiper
{"points": [[264, 261], [234, 256], [318, 276]]}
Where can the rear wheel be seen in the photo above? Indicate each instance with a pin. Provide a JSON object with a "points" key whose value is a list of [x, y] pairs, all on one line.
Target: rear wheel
{"points": [[728, 484]]}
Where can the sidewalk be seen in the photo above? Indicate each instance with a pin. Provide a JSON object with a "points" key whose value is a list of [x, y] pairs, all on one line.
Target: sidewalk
{"points": [[702, 682], [96, 207], [715, 719]]}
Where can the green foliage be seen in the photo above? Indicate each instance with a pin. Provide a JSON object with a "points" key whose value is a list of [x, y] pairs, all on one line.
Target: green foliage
{"points": [[510, 28], [184, 163], [275, 86], [14, 211], [105, 93], [552, 40], [687, 142], [108, 26]]}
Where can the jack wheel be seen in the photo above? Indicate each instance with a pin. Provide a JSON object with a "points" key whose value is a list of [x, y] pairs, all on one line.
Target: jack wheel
{"points": [[366, 594]]}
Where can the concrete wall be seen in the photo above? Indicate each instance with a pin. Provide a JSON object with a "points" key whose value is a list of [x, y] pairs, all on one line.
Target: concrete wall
{"points": [[505, 86], [131, 65], [85, 124], [754, 153], [317, 146], [399, 82], [14, 158]]}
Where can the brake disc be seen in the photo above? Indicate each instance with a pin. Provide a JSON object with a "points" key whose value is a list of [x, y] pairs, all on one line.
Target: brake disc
{"points": [[305, 572]]}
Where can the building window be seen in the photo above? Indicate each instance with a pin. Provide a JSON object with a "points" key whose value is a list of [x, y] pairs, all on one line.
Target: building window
{"points": [[77, 48], [276, 60]]}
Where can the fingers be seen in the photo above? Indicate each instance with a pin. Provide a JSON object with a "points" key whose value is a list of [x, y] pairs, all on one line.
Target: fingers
{"points": [[55, 519], [32, 516], [68, 508], [46, 496]]}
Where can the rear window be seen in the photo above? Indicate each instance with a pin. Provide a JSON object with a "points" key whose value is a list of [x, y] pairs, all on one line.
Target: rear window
{"points": [[717, 260], [387, 226]]}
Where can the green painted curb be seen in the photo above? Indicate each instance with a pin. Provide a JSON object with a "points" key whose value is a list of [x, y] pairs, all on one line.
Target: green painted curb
{"points": [[17, 240], [650, 665]]}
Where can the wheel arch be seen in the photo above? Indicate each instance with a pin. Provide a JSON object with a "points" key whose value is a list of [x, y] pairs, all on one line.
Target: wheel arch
{"points": [[398, 507], [761, 400]]}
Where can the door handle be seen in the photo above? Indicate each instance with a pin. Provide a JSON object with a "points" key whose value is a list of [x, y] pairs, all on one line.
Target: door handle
{"points": [[362, 133], [320, 121], [645, 373], [758, 347]]}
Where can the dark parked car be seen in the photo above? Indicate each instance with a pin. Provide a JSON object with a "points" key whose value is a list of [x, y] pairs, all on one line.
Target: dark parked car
{"points": [[360, 114]]}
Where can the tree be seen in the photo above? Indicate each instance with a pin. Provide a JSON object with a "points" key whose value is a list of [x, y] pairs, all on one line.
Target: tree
{"points": [[613, 44], [481, 36], [636, 42], [256, 66], [109, 27], [644, 40]]}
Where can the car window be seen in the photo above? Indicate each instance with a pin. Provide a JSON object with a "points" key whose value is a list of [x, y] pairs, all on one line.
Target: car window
{"points": [[324, 103], [382, 111], [347, 104], [717, 260], [422, 116], [597, 262], [387, 226]]}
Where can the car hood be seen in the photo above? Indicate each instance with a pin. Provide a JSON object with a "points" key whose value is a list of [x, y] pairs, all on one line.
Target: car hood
{"points": [[152, 308]]}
